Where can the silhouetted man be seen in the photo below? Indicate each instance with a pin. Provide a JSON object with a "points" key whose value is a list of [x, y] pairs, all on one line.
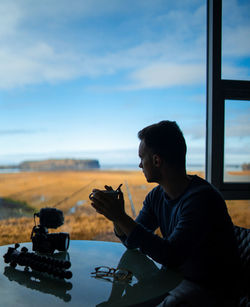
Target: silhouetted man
{"points": [[197, 231]]}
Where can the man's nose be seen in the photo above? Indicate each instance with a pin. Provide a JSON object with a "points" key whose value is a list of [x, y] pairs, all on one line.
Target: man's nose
{"points": [[140, 165]]}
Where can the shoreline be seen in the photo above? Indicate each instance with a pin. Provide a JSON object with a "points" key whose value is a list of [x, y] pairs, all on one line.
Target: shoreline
{"points": [[117, 169]]}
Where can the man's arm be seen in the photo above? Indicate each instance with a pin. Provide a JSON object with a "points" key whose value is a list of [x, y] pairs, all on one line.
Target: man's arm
{"points": [[124, 225], [135, 234], [118, 230], [192, 226]]}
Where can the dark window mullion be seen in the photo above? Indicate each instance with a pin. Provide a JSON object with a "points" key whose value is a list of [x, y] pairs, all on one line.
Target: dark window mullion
{"points": [[215, 101]]}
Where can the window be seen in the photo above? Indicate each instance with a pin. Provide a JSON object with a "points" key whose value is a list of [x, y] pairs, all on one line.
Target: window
{"points": [[237, 141], [219, 92], [235, 46], [79, 81]]}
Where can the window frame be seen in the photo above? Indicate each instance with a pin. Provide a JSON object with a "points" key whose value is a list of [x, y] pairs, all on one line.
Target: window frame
{"points": [[218, 91]]}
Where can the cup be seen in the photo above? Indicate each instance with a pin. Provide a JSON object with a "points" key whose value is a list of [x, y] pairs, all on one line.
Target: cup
{"points": [[112, 194]]}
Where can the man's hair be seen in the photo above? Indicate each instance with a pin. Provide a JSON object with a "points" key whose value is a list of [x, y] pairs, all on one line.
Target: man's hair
{"points": [[166, 139]]}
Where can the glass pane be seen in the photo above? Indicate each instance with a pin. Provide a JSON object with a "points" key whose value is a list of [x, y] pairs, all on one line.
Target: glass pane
{"points": [[235, 39], [237, 141], [80, 86]]}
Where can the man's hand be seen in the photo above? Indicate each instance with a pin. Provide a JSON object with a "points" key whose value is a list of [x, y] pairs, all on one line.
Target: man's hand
{"points": [[110, 203]]}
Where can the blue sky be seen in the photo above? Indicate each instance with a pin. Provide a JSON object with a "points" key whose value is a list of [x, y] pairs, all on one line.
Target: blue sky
{"points": [[79, 79]]}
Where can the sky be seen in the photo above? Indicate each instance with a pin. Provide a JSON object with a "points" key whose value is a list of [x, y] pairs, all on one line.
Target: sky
{"points": [[79, 79]]}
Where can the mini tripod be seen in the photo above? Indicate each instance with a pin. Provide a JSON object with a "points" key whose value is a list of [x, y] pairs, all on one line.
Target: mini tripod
{"points": [[57, 268]]}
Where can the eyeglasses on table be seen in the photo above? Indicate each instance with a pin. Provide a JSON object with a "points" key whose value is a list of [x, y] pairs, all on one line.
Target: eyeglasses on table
{"points": [[107, 273]]}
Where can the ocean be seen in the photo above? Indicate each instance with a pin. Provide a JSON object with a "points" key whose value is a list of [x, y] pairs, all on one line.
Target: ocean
{"points": [[130, 167]]}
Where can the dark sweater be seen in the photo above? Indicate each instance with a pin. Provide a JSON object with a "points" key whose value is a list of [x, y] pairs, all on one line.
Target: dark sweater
{"points": [[198, 236]]}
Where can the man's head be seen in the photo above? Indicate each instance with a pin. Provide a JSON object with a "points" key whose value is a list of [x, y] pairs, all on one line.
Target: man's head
{"points": [[163, 140]]}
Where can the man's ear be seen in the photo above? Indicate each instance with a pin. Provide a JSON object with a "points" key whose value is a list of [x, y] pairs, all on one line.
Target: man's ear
{"points": [[157, 160]]}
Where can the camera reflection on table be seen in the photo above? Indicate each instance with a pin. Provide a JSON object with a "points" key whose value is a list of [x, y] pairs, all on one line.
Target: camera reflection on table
{"points": [[41, 281]]}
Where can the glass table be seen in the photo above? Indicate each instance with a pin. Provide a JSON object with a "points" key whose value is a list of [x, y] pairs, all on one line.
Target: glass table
{"points": [[19, 287]]}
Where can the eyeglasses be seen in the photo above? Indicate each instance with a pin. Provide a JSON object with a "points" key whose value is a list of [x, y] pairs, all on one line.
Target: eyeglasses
{"points": [[104, 272]]}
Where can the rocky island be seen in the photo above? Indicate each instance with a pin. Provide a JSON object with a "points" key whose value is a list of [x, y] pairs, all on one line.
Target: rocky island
{"points": [[56, 165]]}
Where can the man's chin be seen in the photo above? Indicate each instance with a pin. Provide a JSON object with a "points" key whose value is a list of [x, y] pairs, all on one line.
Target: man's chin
{"points": [[151, 179], [148, 178]]}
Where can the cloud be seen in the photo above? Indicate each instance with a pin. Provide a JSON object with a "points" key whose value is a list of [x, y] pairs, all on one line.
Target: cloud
{"points": [[10, 17], [161, 75], [195, 131], [239, 126], [29, 55], [235, 72], [17, 131], [40, 43], [235, 128], [36, 64], [43, 63], [240, 149], [235, 42], [235, 30], [59, 11]]}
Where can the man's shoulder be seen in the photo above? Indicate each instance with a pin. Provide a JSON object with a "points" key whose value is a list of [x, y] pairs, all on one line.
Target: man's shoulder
{"points": [[201, 186], [203, 192], [157, 190], [156, 193]]}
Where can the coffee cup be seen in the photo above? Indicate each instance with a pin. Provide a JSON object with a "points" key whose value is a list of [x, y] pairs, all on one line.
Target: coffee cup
{"points": [[112, 194]]}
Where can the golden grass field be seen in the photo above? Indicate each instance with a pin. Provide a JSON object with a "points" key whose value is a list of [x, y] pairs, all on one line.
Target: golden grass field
{"points": [[69, 192]]}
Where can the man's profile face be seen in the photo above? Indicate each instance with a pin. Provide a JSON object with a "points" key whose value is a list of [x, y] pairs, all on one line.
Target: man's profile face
{"points": [[146, 163]]}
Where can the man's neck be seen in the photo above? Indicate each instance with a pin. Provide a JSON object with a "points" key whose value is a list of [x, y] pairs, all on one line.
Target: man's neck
{"points": [[175, 184]]}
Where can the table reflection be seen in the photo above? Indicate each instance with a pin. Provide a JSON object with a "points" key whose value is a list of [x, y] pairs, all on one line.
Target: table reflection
{"points": [[21, 286]]}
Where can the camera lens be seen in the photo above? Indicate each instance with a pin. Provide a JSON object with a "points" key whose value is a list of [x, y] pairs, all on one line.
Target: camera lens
{"points": [[59, 241], [65, 237]]}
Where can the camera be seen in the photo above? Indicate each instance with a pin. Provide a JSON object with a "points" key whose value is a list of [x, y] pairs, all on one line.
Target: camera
{"points": [[44, 242]]}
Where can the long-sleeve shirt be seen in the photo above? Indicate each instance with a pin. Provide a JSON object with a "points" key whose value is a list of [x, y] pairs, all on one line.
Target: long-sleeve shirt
{"points": [[198, 236]]}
